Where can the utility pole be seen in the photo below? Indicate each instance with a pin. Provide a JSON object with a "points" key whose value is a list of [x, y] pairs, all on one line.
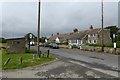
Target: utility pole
{"points": [[38, 37], [102, 29]]}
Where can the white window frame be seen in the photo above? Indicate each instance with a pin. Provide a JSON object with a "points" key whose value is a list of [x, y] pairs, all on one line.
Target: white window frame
{"points": [[94, 41], [89, 41], [88, 35]]}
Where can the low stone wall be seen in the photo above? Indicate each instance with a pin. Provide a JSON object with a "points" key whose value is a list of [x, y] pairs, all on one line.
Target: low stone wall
{"points": [[63, 46], [99, 49], [118, 51], [109, 50], [91, 48]]}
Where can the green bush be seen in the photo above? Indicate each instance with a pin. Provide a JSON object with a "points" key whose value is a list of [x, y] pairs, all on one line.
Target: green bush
{"points": [[109, 45], [118, 44], [2, 40], [92, 45], [98, 45]]}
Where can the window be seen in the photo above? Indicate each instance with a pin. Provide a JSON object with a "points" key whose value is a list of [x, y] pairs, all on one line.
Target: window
{"points": [[18, 42], [91, 35], [89, 41], [88, 35], [94, 35], [94, 41]]}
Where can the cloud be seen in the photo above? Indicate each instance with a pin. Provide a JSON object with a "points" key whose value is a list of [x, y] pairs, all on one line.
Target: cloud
{"points": [[20, 18]]}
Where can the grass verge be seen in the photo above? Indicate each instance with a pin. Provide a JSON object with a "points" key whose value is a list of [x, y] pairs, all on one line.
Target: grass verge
{"points": [[3, 44], [27, 60]]}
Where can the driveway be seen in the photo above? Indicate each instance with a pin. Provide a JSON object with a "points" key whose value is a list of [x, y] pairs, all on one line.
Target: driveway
{"points": [[71, 64]]}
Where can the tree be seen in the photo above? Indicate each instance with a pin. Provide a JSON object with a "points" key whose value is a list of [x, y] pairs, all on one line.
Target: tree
{"points": [[113, 30], [42, 40], [30, 37], [118, 37], [2, 40]]}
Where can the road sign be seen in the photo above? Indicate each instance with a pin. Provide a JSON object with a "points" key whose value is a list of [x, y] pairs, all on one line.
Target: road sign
{"points": [[115, 45], [114, 36]]}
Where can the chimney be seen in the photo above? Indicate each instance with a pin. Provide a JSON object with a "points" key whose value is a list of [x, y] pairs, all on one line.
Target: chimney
{"points": [[75, 30], [91, 27], [57, 33], [51, 34]]}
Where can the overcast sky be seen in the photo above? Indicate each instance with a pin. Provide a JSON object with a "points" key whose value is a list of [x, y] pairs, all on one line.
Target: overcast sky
{"points": [[19, 18]]}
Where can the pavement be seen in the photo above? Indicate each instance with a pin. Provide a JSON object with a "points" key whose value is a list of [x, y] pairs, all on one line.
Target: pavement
{"points": [[71, 64]]}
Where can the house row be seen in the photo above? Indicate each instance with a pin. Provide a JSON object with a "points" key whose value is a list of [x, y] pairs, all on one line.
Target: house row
{"points": [[90, 36]]}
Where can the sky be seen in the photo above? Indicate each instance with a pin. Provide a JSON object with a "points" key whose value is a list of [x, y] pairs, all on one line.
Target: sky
{"points": [[20, 18]]}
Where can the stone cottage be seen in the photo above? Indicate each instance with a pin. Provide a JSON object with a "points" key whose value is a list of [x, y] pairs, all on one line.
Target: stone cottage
{"points": [[16, 45], [90, 36], [58, 38]]}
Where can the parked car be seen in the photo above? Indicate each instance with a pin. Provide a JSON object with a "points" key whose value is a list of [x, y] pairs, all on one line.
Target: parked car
{"points": [[54, 46], [46, 45], [4, 47], [41, 45]]}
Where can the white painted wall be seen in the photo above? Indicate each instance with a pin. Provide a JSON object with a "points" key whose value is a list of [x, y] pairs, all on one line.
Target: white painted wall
{"points": [[57, 40]]}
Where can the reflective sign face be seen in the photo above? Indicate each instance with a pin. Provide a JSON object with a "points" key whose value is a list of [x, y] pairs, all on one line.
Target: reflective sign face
{"points": [[30, 35], [114, 45], [114, 36]]}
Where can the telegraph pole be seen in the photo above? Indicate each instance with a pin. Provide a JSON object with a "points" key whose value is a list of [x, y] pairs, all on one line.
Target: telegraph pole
{"points": [[102, 28], [38, 37]]}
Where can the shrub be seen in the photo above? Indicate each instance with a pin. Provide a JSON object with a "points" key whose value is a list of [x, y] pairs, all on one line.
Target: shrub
{"points": [[93, 45], [118, 44]]}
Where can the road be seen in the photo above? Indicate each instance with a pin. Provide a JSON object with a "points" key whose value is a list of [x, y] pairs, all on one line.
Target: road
{"points": [[71, 64]]}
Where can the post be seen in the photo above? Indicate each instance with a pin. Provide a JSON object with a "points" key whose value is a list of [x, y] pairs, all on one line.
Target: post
{"points": [[102, 29], [39, 54], [29, 46], [48, 53], [21, 61], [115, 40], [38, 37], [43, 55], [33, 56], [6, 62], [115, 47]]}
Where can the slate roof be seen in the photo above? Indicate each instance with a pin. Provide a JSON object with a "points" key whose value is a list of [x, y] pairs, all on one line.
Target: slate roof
{"points": [[60, 36], [75, 35]]}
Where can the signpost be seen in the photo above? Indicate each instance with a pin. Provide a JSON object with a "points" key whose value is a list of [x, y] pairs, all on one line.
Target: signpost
{"points": [[38, 37], [115, 40]]}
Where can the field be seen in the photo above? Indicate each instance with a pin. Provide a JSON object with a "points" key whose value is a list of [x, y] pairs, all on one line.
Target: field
{"points": [[3, 44], [27, 58]]}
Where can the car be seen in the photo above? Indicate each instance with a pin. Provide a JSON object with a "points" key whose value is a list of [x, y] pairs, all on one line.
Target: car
{"points": [[54, 46], [46, 45], [41, 44], [4, 47]]}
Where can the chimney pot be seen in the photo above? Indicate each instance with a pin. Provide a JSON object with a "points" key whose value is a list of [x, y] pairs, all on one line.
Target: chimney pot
{"points": [[75, 30], [91, 27], [51, 34]]}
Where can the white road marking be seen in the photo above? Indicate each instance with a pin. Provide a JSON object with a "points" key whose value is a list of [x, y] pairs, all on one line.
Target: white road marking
{"points": [[108, 72], [90, 73]]}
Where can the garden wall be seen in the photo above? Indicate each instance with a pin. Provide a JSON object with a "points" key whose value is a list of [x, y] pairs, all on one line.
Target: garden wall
{"points": [[63, 46], [99, 49]]}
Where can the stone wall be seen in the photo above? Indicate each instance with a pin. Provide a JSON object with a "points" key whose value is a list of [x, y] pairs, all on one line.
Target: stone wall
{"points": [[109, 50], [63, 46], [96, 49], [118, 51], [99, 49]]}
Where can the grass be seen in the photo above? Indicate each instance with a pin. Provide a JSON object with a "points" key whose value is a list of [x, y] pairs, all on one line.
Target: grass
{"points": [[3, 44], [27, 60]]}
